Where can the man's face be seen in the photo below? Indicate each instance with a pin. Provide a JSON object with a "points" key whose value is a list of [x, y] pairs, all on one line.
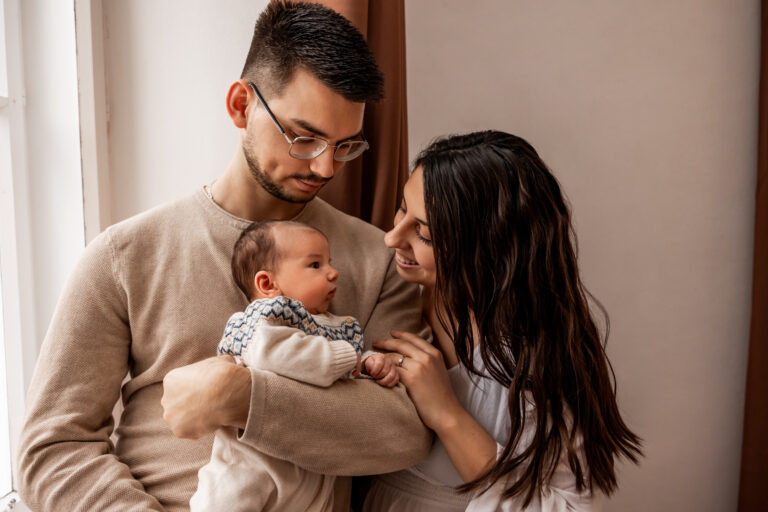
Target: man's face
{"points": [[305, 107]]}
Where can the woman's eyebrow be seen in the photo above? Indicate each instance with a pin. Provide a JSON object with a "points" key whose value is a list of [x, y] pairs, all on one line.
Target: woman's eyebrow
{"points": [[404, 206]]}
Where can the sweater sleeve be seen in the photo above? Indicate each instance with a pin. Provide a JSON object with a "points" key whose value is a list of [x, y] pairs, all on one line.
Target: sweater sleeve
{"points": [[66, 459], [294, 354], [354, 427]]}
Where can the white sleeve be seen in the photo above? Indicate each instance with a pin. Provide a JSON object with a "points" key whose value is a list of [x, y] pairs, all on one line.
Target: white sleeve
{"points": [[560, 496], [294, 354]]}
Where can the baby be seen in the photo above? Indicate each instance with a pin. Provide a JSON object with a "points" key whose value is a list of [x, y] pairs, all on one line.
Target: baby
{"points": [[284, 268]]}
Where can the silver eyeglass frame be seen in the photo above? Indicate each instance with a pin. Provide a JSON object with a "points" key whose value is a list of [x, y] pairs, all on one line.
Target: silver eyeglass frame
{"points": [[364, 143]]}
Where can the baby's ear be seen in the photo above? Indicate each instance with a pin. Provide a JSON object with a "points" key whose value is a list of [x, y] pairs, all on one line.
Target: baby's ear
{"points": [[265, 285]]}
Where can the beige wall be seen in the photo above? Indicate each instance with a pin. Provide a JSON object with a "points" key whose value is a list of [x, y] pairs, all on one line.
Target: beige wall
{"points": [[168, 66], [647, 112]]}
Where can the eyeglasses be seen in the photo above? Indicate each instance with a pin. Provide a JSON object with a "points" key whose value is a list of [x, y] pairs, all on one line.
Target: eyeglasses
{"points": [[307, 148]]}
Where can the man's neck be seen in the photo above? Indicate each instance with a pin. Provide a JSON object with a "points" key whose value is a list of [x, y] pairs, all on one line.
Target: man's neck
{"points": [[239, 194]]}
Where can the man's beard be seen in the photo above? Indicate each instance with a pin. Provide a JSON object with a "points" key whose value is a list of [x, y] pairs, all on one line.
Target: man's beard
{"points": [[270, 186]]}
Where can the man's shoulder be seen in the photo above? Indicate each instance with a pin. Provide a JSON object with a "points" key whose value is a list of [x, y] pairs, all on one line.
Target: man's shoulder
{"points": [[164, 217]]}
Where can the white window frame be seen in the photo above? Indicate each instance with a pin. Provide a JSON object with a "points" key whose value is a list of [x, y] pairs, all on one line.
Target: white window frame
{"points": [[94, 116], [20, 345], [21, 302]]}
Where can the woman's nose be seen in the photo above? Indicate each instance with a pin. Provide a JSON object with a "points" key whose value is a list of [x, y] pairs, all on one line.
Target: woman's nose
{"points": [[393, 238]]}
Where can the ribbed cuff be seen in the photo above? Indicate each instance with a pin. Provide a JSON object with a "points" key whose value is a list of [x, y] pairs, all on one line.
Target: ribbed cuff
{"points": [[344, 358], [255, 422]]}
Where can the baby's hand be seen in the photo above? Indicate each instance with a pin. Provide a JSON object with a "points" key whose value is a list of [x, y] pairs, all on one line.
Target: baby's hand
{"points": [[358, 367], [381, 368]]}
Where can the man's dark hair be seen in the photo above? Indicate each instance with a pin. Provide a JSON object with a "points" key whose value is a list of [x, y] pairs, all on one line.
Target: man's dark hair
{"points": [[288, 35], [256, 250]]}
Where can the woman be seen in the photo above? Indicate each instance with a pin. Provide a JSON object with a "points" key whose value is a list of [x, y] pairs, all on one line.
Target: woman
{"points": [[525, 413]]}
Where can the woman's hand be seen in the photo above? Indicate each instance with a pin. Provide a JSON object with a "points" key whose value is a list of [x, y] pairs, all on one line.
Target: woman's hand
{"points": [[423, 373], [471, 450]]}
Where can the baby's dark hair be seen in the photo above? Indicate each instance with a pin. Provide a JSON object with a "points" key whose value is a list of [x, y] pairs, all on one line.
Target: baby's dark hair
{"points": [[256, 250]]}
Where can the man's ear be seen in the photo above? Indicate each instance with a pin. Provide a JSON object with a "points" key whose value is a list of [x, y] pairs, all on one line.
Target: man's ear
{"points": [[237, 102], [265, 285]]}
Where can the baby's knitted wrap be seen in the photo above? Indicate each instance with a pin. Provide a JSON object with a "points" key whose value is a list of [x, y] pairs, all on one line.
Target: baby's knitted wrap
{"points": [[286, 312]]}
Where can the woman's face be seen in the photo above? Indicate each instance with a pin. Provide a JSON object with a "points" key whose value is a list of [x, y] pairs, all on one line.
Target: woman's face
{"points": [[410, 237]]}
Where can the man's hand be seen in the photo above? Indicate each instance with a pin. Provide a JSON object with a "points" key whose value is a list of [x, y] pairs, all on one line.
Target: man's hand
{"points": [[201, 397]]}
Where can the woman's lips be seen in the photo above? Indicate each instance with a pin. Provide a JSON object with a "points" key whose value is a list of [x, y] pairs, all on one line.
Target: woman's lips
{"points": [[405, 262]]}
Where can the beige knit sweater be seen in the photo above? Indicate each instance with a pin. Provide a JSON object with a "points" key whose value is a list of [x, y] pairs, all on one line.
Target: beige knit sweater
{"points": [[153, 293]]}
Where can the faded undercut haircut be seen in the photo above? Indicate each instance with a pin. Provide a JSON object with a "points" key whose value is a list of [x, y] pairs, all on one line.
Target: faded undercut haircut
{"points": [[311, 36], [256, 250]]}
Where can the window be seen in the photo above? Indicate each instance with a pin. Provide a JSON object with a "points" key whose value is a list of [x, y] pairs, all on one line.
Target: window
{"points": [[11, 272], [6, 481]]}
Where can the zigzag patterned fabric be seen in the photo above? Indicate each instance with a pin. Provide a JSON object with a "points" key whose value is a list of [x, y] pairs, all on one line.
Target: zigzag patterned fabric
{"points": [[287, 312]]}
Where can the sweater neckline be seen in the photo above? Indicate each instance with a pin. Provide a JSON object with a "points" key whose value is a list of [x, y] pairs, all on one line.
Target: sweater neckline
{"points": [[220, 214]]}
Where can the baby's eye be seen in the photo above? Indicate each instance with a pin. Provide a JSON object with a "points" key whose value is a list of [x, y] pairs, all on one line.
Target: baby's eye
{"points": [[315, 264]]}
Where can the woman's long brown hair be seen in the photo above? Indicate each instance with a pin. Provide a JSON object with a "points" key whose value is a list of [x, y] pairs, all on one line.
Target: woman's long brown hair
{"points": [[505, 256]]}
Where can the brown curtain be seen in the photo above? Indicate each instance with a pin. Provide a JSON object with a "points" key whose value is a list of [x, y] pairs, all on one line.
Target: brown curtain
{"points": [[370, 186], [754, 451]]}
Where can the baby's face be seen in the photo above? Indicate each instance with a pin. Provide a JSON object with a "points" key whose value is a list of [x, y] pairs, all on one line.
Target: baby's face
{"points": [[304, 270]]}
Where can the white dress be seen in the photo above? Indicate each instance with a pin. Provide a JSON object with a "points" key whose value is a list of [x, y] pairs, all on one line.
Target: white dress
{"points": [[429, 485]]}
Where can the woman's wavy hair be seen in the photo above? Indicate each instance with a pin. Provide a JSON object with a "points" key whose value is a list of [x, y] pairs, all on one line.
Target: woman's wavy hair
{"points": [[505, 257]]}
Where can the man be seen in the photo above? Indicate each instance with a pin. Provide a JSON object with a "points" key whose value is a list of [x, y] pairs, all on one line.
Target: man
{"points": [[153, 293]]}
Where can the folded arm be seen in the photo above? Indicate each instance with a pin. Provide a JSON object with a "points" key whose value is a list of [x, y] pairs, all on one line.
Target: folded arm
{"points": [[322, 430]]}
